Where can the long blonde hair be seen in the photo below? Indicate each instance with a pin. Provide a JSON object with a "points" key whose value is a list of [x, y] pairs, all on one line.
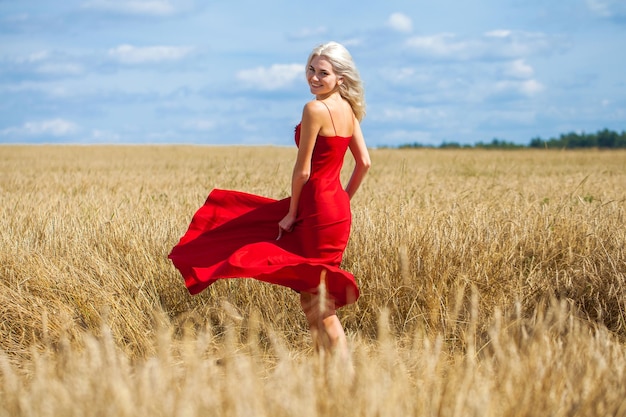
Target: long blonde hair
{"points": [[352, 87]]}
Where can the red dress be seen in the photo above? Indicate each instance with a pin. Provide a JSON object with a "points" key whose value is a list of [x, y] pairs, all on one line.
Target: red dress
{"points": [[233, 235]]}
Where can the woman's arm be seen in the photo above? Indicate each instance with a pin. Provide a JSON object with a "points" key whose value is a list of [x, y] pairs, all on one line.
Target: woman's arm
{"points": [[361, 159], [312, 117]]}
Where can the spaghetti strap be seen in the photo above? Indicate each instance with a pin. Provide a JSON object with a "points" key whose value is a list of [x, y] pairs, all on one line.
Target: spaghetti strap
{"points": [[331, 117]]}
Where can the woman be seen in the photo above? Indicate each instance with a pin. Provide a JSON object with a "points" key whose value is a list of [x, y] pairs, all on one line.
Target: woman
{"points": [[235, 234]]}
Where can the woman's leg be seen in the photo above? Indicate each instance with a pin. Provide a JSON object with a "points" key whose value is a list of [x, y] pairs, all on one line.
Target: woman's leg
{"points": [[326, 329]]}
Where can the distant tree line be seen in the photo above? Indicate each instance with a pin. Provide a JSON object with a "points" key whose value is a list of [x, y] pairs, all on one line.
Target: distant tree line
{"points": [[603, 139], [606, 139]]}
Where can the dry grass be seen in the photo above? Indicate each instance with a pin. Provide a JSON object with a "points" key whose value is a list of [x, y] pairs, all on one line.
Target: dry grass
{"points": [[493, 284]]}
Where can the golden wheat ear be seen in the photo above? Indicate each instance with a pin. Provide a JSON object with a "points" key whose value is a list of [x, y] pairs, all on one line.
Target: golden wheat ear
{"points": [[322, 292]]}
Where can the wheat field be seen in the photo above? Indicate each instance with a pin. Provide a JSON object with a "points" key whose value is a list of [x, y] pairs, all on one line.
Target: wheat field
{"points": [[492, 284]]}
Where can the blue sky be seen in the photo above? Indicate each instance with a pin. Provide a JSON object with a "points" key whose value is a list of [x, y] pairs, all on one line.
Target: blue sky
{"points": [[232, 72]]}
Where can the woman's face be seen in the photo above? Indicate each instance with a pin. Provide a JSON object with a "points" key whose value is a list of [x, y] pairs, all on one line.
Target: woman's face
{"points": [[321, 77]]}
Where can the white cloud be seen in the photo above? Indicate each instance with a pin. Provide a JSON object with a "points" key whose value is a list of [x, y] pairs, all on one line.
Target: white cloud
{"points": [[498, 44], [129, 54], [271, 78], [350, 42], [51, 127], [400, 22], [607, 8], [499, 33], [443, 44], [65, 68], [28, 87], [403, 75], [132, 7], [599, 7], [104, 136], [528, 88], [531, 87], [35, 57], [45, 62], [411, 115], [519, 69]]}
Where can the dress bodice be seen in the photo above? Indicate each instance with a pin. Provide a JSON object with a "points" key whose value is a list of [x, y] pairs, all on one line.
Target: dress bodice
{"points": [[328, 155]]}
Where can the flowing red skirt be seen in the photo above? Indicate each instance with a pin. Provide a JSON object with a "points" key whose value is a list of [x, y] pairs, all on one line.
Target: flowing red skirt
{"points": [[233, 235]]}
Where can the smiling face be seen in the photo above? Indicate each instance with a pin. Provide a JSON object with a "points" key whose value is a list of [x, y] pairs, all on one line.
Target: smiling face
{"points": [[321, 77]]}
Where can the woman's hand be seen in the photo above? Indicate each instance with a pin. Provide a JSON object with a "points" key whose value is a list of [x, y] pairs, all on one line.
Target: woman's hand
{"points": [[286, 224]]}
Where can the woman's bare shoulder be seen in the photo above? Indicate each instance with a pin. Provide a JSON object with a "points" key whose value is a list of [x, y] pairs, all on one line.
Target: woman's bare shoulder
{"points": [[314, 106]]}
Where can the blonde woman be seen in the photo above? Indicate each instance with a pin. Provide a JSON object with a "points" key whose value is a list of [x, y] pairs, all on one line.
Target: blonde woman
{"points": [[299, 241]]}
